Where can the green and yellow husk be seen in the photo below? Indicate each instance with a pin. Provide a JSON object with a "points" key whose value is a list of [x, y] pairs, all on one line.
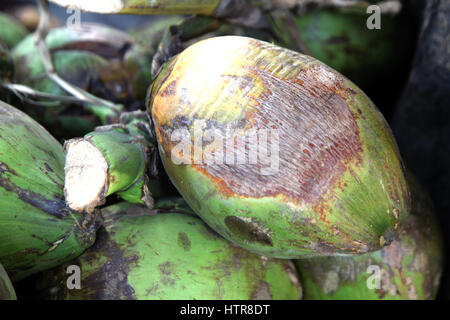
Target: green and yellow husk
{"points": [[11, 31], [339, 187], [125, 150], [37, 230], [6, 288], [409, 268], [171, 256]]}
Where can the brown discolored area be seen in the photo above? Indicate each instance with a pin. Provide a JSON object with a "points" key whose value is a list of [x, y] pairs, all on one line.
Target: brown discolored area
{"points": [[167, 270], [162, 77], [262, 292], [183, 241], [248, 231], [318, 136], [56, 207], [170, 89], [5, 169], [110, 281], [105, 49]]}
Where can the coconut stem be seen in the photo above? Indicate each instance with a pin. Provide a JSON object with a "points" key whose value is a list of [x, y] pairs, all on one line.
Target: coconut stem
{"points": [[112, 159], [43, 99]]}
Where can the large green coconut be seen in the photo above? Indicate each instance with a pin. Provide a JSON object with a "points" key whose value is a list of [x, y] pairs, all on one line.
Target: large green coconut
{"points": [[173, 255], [37, 230], [276, 151]]}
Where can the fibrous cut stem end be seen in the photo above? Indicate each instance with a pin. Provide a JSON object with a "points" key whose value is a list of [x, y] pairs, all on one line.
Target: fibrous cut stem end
{"points": [[86, 176]]}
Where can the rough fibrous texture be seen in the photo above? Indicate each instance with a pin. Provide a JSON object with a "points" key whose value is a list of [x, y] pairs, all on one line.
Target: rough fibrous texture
{"points": [[325, 176], [86, 176], [111, 159]]}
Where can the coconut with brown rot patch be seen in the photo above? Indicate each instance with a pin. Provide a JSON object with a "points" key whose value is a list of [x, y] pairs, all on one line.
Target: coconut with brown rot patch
{"points": [[314, 167], [124, 152], [408, 268], [171, 254], [37, 230]]}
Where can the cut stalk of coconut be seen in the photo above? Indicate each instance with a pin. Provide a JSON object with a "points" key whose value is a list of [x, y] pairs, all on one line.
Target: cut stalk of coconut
{"points": [[112, 159]]}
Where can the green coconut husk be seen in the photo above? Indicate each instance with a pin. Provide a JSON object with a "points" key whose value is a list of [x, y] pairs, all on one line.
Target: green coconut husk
{"points": [[409, 268], [37, 230], [6, 288], [11, 31], [173, 255], [327, 177]]}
